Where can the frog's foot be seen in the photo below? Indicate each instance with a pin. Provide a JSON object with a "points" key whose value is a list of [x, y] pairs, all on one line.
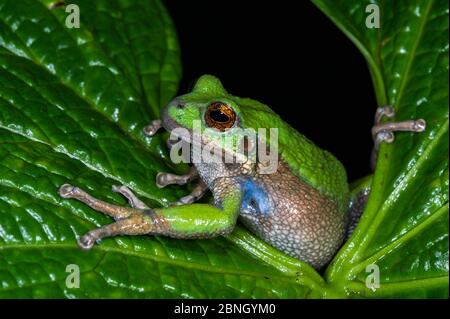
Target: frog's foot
{"points": [[135, 224], [384, 132], [129, 221], [128, 194], [152, 128], [164, 179], [116, 212], [197, 193]]}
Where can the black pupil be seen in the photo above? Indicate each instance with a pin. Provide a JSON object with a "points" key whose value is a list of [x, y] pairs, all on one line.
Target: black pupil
{"points": [[218, 116]]}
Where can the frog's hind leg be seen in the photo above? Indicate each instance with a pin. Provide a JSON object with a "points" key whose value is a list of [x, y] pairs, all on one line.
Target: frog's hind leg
{"points": [[128, 194], [184, 221], [129, 221], [384, 132], [135, 224], [116, 212]]}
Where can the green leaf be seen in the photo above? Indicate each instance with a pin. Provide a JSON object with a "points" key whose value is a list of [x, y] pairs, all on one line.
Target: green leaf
{"points": [[72, 107], [73, 103], [404, 230]]}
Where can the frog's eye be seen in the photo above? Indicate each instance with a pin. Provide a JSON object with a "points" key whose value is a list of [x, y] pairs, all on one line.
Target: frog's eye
{"points": [[220, 116]]}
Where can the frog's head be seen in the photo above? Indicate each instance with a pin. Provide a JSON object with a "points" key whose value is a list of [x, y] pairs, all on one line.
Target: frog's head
{"points": [[213, 117], [208, 103], [208, 111]]}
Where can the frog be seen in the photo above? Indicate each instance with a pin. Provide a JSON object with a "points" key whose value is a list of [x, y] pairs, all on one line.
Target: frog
{"points": [[303, 206]]}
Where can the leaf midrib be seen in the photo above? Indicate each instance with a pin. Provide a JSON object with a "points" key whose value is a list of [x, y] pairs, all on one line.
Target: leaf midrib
{"points": [[154, 258], [87, 164], [33, 58], [385, 205], [397, 242], [303, 280], [400, 285], [412, 52]]}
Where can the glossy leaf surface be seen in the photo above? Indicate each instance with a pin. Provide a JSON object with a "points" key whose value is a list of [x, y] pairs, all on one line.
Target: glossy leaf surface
{"points": [[72, 108], [404, 230], [73, 103]]}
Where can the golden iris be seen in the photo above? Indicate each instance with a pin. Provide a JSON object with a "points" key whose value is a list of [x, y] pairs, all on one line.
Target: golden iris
{"points": [[220, 116]]}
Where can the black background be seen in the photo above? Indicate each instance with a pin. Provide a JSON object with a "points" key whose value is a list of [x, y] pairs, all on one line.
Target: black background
{"points": [[290, 56]]}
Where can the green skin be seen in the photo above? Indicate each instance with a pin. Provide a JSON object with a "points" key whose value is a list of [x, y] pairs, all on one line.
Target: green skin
{"points": [[309, 188], [301, 209]]}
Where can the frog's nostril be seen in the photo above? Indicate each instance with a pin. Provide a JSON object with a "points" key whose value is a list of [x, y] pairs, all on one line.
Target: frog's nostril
{"points": [[180, 106]]}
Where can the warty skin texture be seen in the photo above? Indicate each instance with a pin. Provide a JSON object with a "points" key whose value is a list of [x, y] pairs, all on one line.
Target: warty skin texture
{"points": [[300, 209], [282, 210]]}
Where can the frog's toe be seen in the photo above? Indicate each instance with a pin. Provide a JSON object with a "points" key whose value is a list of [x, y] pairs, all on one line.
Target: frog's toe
{"points": [[161, 180], [164, 179], [384, 132], [67, 191], [86, 242], [128, 194], [119, 189], [152, 128]]}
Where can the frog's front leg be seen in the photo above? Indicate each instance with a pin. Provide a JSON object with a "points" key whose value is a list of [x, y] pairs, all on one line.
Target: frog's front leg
{"points": [[152, 128], [384, 132], [165, 179], [186, 221], [197, 193]]}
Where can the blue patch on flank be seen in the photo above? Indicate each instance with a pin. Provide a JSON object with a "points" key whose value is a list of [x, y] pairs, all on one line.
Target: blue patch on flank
{"points": [[254, 198]]}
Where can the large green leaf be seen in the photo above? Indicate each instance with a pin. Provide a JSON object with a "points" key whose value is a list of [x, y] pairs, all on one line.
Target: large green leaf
{"points": [[72, 106], [404, 230]]}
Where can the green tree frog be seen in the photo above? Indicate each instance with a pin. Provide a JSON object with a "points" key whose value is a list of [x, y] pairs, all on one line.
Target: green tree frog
{"points": [[302, 207]]}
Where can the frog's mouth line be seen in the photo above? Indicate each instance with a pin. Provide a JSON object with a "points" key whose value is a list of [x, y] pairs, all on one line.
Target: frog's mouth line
{"points": [[192, 139]]}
